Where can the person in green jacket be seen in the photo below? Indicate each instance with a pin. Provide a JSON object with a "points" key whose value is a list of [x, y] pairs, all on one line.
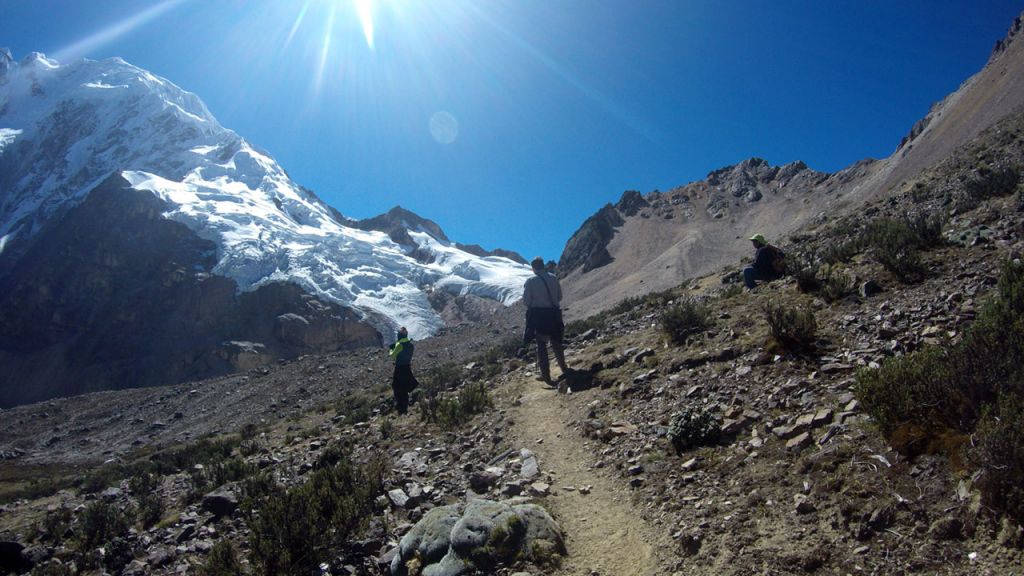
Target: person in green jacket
{"points": [[403, 382]]}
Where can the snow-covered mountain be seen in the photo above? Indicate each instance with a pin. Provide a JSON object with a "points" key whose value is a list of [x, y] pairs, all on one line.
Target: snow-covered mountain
{"points": [[64, 129]]}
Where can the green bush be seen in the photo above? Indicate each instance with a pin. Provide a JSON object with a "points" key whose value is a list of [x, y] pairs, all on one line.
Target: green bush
{"points": [[99, 524], [222, 560], [449, 412], [56, 524], [1000, 454], [838, 284], [791, 327], [991, 183], [844, 245], [354, 409], [804, 267], [970, 388], [692, 427], [151, 506], [291, 530], [894, 244], [494, 357], [685, 318], [231, 470]]}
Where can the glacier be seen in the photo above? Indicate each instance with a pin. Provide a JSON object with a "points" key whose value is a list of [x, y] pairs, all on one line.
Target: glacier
{"points": [[64, 128]]}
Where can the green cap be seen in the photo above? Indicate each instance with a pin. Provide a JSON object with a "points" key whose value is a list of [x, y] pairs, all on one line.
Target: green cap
{"points": [[759, 238]]}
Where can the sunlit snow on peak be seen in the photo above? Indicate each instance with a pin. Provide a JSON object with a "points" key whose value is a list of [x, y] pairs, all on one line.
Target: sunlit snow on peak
{"points": [[163, 140]]}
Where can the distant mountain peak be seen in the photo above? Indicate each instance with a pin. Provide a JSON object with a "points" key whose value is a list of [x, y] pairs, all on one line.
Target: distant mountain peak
{"points": [[104, 117]]}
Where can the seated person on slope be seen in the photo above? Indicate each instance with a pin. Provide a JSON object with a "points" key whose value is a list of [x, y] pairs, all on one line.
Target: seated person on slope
{"points": [[769, 263]]}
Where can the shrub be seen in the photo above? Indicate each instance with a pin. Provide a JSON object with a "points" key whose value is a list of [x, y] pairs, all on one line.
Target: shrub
{"points": [[971, 388], [846, 242], [692, 427], [100, 523], [56, 524], [928, 230], [1000, 454], [494, 357], [231, 470], [354, 409], [684, 319], [444, 377], [803, 266], [151, 506], [791, 326], [291, 529], [222, 560], [894, 244], [102, 478], [991, 183], [449, 412], [838, 284]]}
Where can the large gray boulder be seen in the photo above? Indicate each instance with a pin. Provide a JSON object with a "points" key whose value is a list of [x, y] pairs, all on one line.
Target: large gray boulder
{"points": [[480, 535]]}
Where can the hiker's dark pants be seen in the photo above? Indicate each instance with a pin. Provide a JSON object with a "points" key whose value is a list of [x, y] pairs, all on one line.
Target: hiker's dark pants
{"points": [[402, 383], [542, 355], [751, 275]]}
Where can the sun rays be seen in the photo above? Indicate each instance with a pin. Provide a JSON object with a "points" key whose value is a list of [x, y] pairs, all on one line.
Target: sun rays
{"points": [[364, 10], [114, 31]]}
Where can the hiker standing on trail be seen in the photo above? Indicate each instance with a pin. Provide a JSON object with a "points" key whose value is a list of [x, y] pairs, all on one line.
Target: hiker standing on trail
{"points": [[543, 297], [769, 263], [403, 381]]}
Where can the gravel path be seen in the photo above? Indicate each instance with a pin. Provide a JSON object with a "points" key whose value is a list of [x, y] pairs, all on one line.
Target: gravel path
{"points": [[605, 533]]}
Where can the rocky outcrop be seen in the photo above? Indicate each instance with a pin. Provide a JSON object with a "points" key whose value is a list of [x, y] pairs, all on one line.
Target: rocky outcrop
{"points": [[116, 296], [455, 540], [588, 247], [478, 250], [398, 221]]}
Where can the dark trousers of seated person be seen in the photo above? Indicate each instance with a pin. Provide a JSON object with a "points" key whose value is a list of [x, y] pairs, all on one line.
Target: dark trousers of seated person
{"points": [[751, 276]]}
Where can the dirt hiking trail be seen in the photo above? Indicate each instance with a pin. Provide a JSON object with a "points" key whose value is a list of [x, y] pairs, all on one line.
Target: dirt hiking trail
{"points": [[604, 532]]}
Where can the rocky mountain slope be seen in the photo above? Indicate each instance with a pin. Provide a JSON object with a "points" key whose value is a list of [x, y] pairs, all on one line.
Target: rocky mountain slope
{"points": [[796, 479], [654, 241], [704, 430], [87, 300]]}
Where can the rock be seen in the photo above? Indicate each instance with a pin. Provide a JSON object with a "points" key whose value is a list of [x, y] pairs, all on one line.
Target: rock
{"points": [[869, 288], [834, 367], [803, 505], [643, 354], [799, 441], [540, 489], [160, 557], [111, 494], [481, 481], [398, 498], [185, 534], [220, 503], [530, 469], [454, 540], [946, 528], [12, 558]]}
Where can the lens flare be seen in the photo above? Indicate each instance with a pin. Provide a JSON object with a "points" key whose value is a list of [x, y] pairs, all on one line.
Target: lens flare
{"points": [[364, 10]]}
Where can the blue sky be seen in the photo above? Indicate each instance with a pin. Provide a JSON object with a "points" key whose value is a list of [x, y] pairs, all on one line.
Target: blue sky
{"points": [[510, 122]]}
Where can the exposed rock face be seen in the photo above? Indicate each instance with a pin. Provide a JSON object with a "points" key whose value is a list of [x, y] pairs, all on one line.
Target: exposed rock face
{"points": [[588, 247], [398, 221], [478, 250], [455, 540], [116, 296]]}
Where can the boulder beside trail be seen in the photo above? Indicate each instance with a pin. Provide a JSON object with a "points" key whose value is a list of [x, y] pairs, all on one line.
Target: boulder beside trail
{"points": [[480, 535]]}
